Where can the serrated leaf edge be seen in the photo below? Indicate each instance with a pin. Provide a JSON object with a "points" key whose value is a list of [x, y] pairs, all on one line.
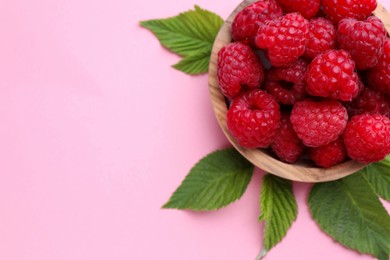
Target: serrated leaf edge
{"points": [[250, 169]]}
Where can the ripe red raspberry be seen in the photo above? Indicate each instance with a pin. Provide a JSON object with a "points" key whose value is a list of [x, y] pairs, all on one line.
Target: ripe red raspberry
{"points": [[370, 102], [253, 119], [339, 9], [332, 74], [318, 123], [287, 84], [379, 76], [361, 86], [294, 73], [238, 69], [247, 22], [322, 37], [287, 146], [362, 39], [329, 155], [307, 8], [286, 93], [284, 38], [367, 138]]}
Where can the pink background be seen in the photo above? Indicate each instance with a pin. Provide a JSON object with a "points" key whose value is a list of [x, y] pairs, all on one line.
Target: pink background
{"points": [[96, 132]]}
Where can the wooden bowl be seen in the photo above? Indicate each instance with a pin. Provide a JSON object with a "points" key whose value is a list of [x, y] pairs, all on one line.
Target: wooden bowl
{"points": [[263, 159]]}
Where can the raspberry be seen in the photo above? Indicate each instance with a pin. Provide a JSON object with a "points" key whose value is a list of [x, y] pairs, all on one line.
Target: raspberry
{"points": [[332, 74], [286, 93], [362, 39], [379, 76], [322, 37], [287, 84], [370, 102], [238, 69], [284, 38], [329, 155], [361, 86], [287, 146], [339, 9], [307, 8], [318, 123], [253, 119], [367, 138], [294, 73], [247, 22]]}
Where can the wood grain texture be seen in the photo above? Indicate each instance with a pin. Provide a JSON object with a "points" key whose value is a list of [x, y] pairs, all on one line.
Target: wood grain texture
{"points": [[264, 160]]}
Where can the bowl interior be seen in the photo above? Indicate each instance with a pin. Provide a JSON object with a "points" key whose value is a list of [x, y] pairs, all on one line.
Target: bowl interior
{"points": [[300, 171]]}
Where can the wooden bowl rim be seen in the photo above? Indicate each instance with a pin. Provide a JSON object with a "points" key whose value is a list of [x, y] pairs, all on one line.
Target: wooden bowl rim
{"points": [[295, 172]]}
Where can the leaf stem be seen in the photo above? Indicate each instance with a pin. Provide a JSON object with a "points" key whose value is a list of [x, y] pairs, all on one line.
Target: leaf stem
{"points": [[262, 253]]}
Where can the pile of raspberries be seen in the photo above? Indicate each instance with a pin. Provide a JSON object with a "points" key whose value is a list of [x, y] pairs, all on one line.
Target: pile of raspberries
{"points": [[309, 79]]}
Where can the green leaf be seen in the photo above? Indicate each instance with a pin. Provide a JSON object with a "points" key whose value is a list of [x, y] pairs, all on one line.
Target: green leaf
{"points": [[378, 176], [278, 209], [350, 212], [215, 181], [194, 64], [190, 34]]}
